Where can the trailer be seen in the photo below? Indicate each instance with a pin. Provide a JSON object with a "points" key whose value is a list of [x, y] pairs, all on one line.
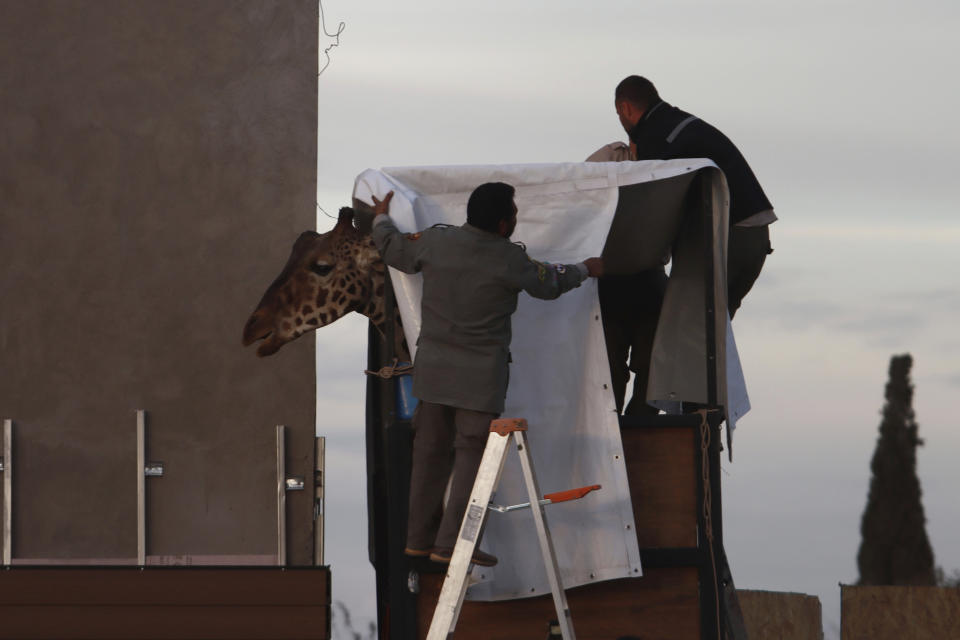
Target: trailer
{"points": [[672, 462]]}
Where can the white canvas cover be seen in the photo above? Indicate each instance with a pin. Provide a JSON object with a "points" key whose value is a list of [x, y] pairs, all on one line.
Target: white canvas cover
{"points": [[559, 378]]}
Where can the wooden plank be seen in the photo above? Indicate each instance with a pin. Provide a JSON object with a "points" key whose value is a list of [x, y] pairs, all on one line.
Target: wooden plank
{"points": [[661, 466], [81, 586], [117, 622], [662, 605]]}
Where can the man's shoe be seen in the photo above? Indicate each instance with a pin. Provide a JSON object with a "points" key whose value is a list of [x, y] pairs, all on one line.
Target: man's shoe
{"points": [[443, 554], [417, 553]]}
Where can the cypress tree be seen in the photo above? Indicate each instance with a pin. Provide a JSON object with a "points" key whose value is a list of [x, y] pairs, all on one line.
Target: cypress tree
{"points": [[894, 549]]}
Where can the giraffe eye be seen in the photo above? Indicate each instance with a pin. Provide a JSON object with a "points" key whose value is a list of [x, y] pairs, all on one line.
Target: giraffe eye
{"points": [[321, 269]]}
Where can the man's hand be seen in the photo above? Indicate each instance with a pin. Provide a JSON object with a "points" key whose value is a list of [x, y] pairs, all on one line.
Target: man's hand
{"points": [[382, 207], [594, 267]]}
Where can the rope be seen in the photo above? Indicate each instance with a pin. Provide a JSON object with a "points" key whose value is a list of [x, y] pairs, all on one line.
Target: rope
{"points": [[708, 507], [391, 370]]}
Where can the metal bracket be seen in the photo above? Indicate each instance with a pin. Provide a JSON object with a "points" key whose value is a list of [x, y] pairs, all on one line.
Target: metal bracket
{"points": [[153, 470], [294, 483]]}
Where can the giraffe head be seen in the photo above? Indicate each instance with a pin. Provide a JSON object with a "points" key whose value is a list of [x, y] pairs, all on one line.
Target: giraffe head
{"points": [[327, 276]]}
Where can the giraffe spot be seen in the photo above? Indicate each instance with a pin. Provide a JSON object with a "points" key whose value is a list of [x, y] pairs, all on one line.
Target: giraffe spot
{"points": [[311, 321], [299, 321], [323, 318], [379, 291], [352, 289], [343, 283], [307, 310], [337, 296], [322, 297]]}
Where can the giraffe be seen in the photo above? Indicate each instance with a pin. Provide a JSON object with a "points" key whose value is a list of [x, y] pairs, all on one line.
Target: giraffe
{"points": [[326, 277]]}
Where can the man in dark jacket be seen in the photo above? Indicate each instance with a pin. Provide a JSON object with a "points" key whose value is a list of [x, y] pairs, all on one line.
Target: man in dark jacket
{"points": [[472, 276], [631, 303], [660, 131]]}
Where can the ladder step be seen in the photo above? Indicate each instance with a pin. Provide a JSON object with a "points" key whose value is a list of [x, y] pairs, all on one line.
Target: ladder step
{"points": [[570, 494], [550, 498]]}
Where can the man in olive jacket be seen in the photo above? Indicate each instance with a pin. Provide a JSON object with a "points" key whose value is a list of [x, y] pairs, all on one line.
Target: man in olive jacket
{"points": [[472, 276]]}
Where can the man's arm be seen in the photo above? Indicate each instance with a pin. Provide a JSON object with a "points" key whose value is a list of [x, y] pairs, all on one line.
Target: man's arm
{"points": [[399, 250], [549, 281]]}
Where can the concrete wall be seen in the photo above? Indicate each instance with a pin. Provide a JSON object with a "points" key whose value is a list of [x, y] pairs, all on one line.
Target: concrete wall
{"points": [[157, 159]]}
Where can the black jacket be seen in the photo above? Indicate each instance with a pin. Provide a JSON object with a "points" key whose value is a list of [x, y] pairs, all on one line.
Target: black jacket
{"points": [[665, 133]]}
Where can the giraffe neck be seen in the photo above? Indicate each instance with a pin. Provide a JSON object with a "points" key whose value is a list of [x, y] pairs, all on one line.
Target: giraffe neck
{"points": [[376, 309]]}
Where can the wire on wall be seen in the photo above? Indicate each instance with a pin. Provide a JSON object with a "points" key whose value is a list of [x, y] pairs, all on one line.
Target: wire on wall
{"points": [[324, 211], [336, 43]]}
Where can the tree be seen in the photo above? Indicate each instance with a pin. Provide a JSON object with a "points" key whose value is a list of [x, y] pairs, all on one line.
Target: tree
{"points": [[894, 548]]}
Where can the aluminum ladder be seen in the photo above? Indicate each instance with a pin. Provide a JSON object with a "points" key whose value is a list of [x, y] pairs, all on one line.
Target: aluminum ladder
{"points": [[502, 431]]}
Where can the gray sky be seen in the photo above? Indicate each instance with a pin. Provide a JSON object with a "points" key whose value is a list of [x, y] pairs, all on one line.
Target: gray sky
{"points": [[845, 111]]}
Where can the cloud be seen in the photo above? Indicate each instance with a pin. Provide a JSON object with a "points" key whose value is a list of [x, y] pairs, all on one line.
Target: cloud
{"points": [[951, 379]]}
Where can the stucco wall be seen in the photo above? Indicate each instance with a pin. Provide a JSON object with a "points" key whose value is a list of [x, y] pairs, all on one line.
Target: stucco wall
{"points": [[780, 615], [157, 159], [896, 613]]}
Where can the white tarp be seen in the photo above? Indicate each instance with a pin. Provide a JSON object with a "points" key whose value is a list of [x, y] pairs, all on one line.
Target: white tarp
{"points": [[559, 378]]}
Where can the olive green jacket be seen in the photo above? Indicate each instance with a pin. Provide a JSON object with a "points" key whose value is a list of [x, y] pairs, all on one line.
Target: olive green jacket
{"points": [[471, 280]]}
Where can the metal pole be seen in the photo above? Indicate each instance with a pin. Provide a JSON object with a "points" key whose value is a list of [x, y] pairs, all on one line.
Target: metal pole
{"points": [[141, 488], [7, 491], [318, 500], [281, 497]]}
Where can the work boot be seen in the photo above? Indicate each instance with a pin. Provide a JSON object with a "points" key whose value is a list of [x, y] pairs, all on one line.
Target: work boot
{"points": [[443, 555]]}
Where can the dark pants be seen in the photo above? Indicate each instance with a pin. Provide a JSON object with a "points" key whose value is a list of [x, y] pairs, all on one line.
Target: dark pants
{"points": [[440, 431], [747, 250], [631, 309]]}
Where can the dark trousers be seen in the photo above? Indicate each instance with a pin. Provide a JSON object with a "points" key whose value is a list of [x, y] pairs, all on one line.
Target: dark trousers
{"points": [[747, 250], [444, 439], [631, 309]]}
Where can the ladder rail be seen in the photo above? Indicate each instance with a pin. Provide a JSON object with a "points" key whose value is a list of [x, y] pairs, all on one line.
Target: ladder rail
{"points": [[546, 541], [455, 583]]}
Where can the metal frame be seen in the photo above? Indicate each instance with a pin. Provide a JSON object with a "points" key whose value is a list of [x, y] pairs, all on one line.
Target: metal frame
{"points": [[281, 496], [141, 487], [319, 481], [7, 492]]}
